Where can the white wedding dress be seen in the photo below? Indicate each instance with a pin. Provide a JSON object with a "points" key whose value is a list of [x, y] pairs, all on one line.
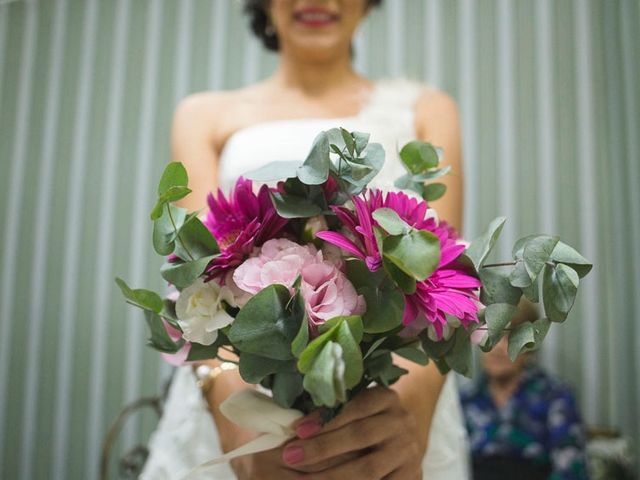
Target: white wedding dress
{"points": [[186, 436]]}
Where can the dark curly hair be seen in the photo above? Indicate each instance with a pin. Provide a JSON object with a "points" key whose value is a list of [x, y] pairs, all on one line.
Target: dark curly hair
{"points": [[259, 21]]}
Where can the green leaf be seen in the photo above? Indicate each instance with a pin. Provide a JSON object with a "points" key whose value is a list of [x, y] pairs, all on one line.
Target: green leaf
{"points": [[563, 253], [384, 309], [195, 239], [380, 367], [351, 354], [459, 356], [348, 141], [413, 354], [173, 194], [540, 330], [391, 221], [199, 352], [272, 171], [159, 339], [301, 340], [532, 292], [405, 282], [416, 253], [520, 338], [315, 169], [481, 247], [183, 274], [174, 175], [286, 388], [164, 233], [496, 287], [292, 206], [497, 316], [519, 277], [145, 299], [359, 274], [264, 326], [361, 140], [434, 191], [559, 290], [431, 174], [253, 368], [537, 251], [419, 156], [324, 380]]}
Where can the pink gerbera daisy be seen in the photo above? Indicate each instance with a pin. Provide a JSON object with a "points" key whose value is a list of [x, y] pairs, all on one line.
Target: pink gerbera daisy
{"points": [[450, 290], [239, 224]]}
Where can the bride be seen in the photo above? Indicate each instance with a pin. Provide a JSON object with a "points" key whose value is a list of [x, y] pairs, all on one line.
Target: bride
{"points": [[415, 429]]}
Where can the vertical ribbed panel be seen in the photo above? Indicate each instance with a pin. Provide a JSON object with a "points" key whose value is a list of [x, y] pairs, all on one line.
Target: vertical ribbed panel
{"points": [[550, 116]]}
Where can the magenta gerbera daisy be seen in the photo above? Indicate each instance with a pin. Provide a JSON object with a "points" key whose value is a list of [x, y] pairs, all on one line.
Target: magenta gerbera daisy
{"points": [[243, 221], [450, 290]]}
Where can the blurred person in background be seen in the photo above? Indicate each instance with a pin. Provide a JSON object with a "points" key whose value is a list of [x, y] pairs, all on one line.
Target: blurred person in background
{"points": [[523, 422]]}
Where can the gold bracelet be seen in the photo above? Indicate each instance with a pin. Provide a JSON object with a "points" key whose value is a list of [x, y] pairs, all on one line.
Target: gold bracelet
{"points": [[206, 375]]}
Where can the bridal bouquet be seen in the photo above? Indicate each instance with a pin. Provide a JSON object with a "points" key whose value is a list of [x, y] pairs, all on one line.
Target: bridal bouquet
{"points": [[310, 279]]}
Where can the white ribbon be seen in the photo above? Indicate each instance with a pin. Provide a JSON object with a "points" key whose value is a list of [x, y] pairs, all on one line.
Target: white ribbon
{"points": [[259, 412]]}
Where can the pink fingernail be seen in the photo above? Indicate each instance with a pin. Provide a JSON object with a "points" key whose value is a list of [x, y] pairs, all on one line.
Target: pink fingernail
{"points": [[292, 455], [308, 428]]}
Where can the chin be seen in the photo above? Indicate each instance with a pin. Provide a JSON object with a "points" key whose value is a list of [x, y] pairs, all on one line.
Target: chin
{"points": [[317, 47]]}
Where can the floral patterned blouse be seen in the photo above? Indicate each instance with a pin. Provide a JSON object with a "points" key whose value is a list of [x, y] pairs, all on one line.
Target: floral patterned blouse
{"points": [[538, 427]]}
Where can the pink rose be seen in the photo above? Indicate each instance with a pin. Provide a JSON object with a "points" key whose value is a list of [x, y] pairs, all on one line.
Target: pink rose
{"points": [[328, 293], [279, 261]]}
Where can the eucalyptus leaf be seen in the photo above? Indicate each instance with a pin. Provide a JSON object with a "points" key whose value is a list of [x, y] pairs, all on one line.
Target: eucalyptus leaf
{"points": [[199, 352], [563, 253], [413, 354], [264, 327], [391, 221], [434, 191], [416, 253], [315, 169], [253, 368], [496, 287], [405, 282], [324, 381], [459, 356], [290, 206], [301, 340], [351, 354], [273, 171], [145, 299], [174, 175], [481, 247], [519, 277], [540, 330], [497, 316], [431, 174], [173, 194], [520, 338], [361, 140], [384, 309], [419, 156], [286, 388], [183, 274], [348, 141], [159, 338], [559, 290], [195, 241], [537, 252], [165, 227]]}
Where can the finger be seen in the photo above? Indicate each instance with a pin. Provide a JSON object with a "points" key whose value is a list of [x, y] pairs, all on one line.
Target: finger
{"points": [[366, 404], [373, 466], [352, 437]]}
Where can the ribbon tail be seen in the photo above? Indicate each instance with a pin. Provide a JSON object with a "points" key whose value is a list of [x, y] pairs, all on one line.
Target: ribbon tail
{"points": [[263, 443]]}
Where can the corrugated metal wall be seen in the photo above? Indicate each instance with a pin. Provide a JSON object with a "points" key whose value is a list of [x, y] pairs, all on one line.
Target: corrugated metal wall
{"points": [[549, 97]]}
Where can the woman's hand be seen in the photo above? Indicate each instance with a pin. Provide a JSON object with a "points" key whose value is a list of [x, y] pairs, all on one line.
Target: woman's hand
{"points": [[373, 438], [263, 466]]}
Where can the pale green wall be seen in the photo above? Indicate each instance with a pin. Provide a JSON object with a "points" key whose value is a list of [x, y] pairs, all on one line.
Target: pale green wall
{"points": [[550, 109]]}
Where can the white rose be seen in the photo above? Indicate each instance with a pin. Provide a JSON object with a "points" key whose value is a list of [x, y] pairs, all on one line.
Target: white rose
{"points": [[200, 312]]}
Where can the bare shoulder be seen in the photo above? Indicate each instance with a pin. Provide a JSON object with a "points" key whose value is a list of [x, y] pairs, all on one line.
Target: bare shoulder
{"points": [[436, 111], [198, 116]]}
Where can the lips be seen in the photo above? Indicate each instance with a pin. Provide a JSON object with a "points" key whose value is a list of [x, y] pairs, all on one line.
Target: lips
{"points": [[315, 17]]}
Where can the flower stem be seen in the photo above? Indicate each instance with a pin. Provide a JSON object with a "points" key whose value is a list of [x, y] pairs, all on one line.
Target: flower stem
{"points": [[502, 264], [175, 229]]}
